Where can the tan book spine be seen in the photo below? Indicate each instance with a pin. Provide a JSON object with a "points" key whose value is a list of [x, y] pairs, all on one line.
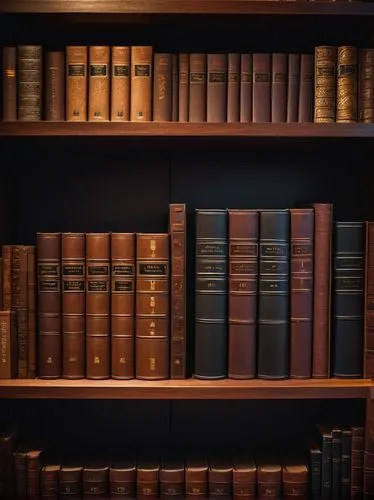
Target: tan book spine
{"points": [[325, 84], [141, 83], [246, 79], [183, 77], [346, 105], [9, 84], [233, 88], [120, 84], [217, 88], [98, 84], [8, 346], [198, 88], [55, 86], [31, 312], [7, 277], [29, 79], [162, 87], [366, 86], [76, 84]]}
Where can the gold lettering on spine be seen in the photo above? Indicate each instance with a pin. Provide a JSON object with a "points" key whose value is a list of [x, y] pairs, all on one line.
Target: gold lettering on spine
{"points": [[324, 84], [346, 108]]}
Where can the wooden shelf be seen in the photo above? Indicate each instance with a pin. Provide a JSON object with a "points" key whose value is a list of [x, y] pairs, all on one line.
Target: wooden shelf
{"points": [[185, 389], [170, 129], [185, 7]]}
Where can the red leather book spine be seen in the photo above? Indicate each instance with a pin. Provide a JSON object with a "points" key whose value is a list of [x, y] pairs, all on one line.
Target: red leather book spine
{"points": [[196, 478], [171, 479], [33, 468], [49, 482], [147, 480]]}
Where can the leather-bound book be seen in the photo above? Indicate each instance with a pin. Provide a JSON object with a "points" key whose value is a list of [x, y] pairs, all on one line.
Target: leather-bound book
{"points": [[141, 84], [183, 90], [357, 462], [217, 88], [369, 303], [246, 77], [220, 479], [55, 86], [97, 305], [197, 111], [122, 305], [243, 280], [368, 462], [326, 461], [295, 480], [233, 88], [321, 289], [147, 479], [325, 84], [346, 461], [98, 84], [122, 480], [49, 482], [31, 312], [162, 87], [174, 88], [19, 470], [293, 87], [70, 482], [244, 478], [95, 481], [336, 457], [348, 299], [269, 480], [9, 84], [196, 471], [171, 478], [305, 107], [365, 86], [76, 83], [48, 248], [279, 88], [7, 277], [19, 306], [33, 469], [346, 91], [29, 81], [152, 307], [315, 464], [73, 253], [274, 297], [302, 250], [8, 344], [261, 90], [211, 294], [178, 333], [120, 84]]}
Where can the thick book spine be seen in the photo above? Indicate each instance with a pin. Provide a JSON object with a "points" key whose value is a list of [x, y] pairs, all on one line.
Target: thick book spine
{"points": [[9, 84], [73, 253], [279, 88], [336, 454], [171, 479], [196, 478], [76, 83], [70, 482], [97, 305], [233, 88], [369, 302], [152, 307], [33, 469], [48, 249], [295, 480], [217, 88], [20, 478], [246, 77], [305, 108], [162, 87], [261, 90], [293, 87], [55, 86], [325, 84], [269, 480], [211, 294], [220, 479], [122, 305], [302, 250], [178, 333], [120, 84], [365, 86], [346, 462], [243, 280], [49, 482], [98, 84], [122, 480], [346, 90], [357, 462], [274, 295], [348, 299], [197, 110], [183, 90], [147, 480], [141, 83], [31, 313], [244, 478], [29, 80], [8, 346], [95, 481], [321, 290]]}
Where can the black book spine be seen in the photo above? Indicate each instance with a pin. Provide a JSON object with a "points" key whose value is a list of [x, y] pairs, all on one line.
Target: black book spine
{"points": [[348, 299], [326, 466], [336, 463], [211, 294], [315, 457], [274, 295], [346, 464]]}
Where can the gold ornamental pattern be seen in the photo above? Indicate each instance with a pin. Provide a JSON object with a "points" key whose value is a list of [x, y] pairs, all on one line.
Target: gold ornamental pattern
{"points": [[346, 105], [366, 86], [324, 84]]}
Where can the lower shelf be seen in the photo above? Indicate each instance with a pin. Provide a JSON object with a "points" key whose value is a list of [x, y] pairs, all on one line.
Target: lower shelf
{"points": [[185, 389]]}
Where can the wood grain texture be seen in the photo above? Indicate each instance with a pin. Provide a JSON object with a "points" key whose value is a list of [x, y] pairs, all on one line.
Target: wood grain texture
{"points": [[185, 389]]}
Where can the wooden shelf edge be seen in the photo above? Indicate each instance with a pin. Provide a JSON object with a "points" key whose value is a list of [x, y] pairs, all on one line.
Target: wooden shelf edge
{"points": [[172, 129], [185, 7], [185, 389]]}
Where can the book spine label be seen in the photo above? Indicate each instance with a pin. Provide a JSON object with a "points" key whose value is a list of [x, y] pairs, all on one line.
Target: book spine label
{"points": [[9, 84], [293, 87], [279, 88], [366, 86], [162, 88], [233, 88], [98, 84], [246, 78], [261, 88], [55, 83], [30, 78], [198, 88], [305, 108], [120, 84], [141, 83], [325, 84], [76, 84], [183, 91], [346, 92]]}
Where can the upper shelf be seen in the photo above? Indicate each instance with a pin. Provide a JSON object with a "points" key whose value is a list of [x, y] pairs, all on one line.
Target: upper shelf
{"points": [[186, 7]]}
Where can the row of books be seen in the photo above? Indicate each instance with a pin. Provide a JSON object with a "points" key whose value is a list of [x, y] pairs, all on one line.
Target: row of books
{"points": [[102, 83], [333, 467]]}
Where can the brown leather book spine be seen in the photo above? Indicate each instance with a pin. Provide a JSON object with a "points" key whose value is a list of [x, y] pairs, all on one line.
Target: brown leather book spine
{"points": [[55, 86], [122, 305], [233, 88], [244, 479], [76, 83], [295, 481], [346, 92], [323, 214], [261, 91], [70, 482], [7, 277], [98, 84], [177, 230], [19, 305], [369, 303], [49, 482], [217, 88], [302, 250], [246, 78], [152, 307], [48, 249], [20, 478], [29, 80], [171, 479], [120, 85], [73, 254], [95, 481], [366, 86], [174, 87], [367, 457], [305, 111], [97, 305], [122, 480], [325, 84], [196, 478], [141, 83], [269, 481], [33, 468], [197, 111], [243, 282], [162, 87], [183, 87], [279, 88], [293, 87], [147, 480], [220, 479], [31, 313], [8, 346], [9, 84]]}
